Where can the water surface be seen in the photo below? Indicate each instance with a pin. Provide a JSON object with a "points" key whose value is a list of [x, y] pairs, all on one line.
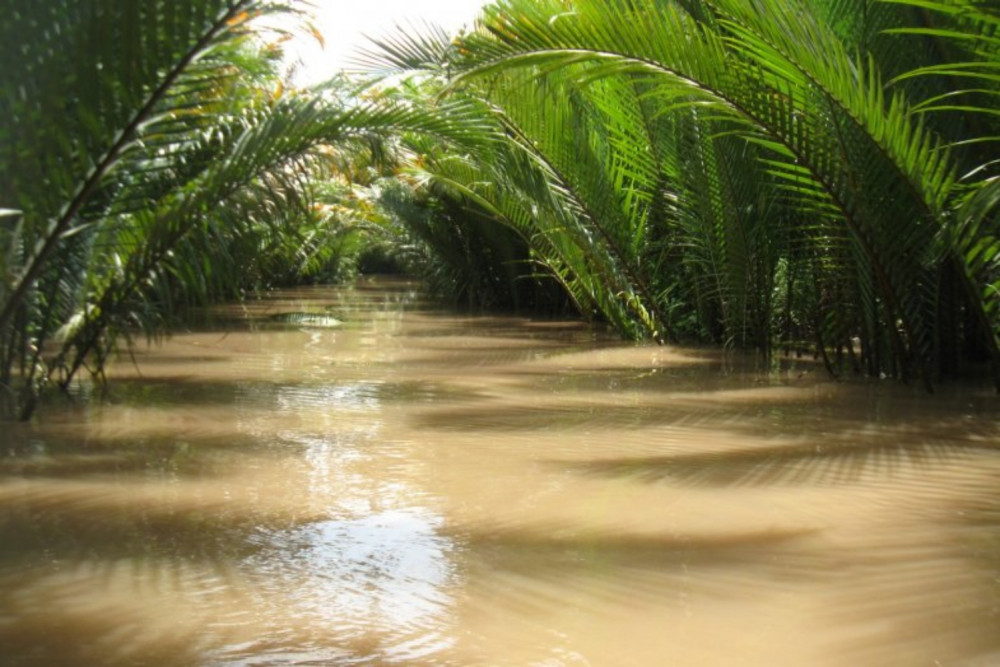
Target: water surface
{"points": [[414, 486]]}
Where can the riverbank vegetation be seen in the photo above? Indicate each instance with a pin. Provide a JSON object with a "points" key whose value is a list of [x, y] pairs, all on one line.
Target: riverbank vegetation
{"points": [[766, 174]]}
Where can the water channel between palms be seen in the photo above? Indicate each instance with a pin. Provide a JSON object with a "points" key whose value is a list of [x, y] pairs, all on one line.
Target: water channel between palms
{"points": [[416, 486]]}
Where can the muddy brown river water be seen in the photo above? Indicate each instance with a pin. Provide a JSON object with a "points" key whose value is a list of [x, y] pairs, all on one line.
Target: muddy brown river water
{"points": [[420, 487]]}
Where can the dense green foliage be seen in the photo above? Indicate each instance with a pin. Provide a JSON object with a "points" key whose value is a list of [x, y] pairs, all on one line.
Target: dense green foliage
{"points": [[150, 157], [748, 172], [756, 173]]}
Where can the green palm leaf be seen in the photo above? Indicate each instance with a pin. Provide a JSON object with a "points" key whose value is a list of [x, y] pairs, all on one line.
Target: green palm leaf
{"points": [[787, 82]]}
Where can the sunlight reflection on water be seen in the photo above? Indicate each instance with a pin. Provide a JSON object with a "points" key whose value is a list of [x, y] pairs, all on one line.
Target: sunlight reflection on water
{"points": [[424, 487], [382, 577]]}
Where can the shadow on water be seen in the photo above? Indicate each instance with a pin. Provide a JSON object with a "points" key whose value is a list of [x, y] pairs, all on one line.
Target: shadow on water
{"points": [[882, 596], [162, 448], [151, 566], [479, 488], [250, 395], [822, 462], [553, 554], [112, 519], [936, 597], [818, 412], [921, 586], [91, 570], [49, 637]]}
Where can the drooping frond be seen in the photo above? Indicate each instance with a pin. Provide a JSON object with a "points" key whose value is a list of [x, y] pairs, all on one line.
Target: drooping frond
{"points": [[710, 144]]}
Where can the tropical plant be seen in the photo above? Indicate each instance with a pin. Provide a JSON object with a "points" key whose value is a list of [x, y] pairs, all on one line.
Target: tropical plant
{"points": [[698, 149], [752, 173], [143, 141], [101, 115]]}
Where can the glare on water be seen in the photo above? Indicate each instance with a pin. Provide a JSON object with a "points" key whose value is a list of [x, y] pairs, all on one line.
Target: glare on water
{"points": [[415, 486]]}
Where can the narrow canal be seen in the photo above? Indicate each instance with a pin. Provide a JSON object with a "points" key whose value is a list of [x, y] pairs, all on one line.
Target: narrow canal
{"points": [[339, 477]]}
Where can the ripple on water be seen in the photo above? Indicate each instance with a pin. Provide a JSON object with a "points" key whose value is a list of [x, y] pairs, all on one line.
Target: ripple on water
{"points": [[425, 488], [378, 583]]}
